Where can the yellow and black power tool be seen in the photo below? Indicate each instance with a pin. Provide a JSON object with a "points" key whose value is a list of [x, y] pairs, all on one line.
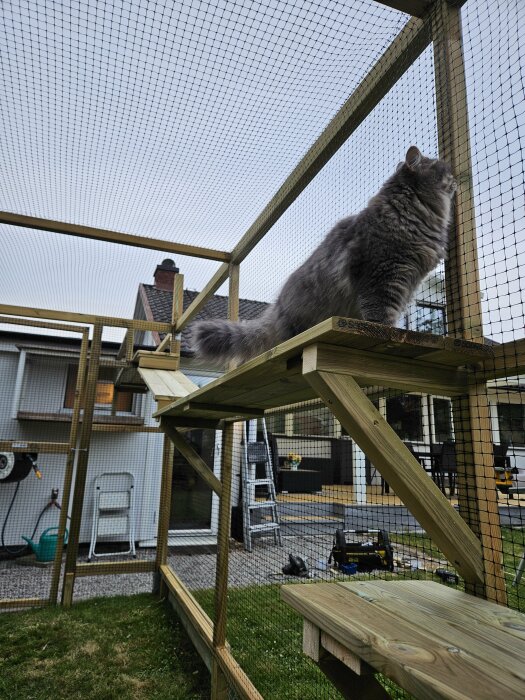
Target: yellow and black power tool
{"points": [[368, 550]]}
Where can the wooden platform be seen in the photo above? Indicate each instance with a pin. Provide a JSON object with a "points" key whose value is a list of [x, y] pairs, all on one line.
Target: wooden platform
{"points": [[333, 361], [432, 640], [373, 354]]}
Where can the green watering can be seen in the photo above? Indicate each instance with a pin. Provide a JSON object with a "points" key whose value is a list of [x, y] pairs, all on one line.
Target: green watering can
{"points": [[45, 550]]}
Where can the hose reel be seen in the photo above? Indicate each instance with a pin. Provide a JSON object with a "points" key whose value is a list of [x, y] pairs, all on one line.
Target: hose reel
{"points": [[15, 466]]}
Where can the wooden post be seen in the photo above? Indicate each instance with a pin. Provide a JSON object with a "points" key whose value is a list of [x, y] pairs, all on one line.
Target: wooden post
{"points": [[233, 299], [345, 398], [164, 513], [82, 464], [176, 313], [219, 683], [476, 482], [70, 463]]}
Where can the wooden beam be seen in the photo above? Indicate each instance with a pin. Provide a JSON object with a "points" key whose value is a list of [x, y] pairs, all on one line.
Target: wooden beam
{"points": [[92, 319], [107, 568], [41, 447], [191, 456], [200, 625], [416, 8], [378, 369], [90, 391], [166, 488], [219, 677], [464, 315], [219, 411], [220, 276], [476, 486], [475, 478], [70, 466], [100, 234], [508, 361], [177, 308], [164, 343], [42, 324], [356, 413], [395, 61]]}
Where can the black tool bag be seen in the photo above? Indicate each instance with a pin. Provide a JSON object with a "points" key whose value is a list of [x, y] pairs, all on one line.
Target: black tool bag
{"points": [[374, 551]]}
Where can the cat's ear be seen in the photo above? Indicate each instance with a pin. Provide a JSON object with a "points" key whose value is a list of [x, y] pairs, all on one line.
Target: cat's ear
{"points": [[413, 157]]}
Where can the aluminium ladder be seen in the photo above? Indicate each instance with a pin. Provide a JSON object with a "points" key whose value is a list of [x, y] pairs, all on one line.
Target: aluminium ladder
{"points": [[113, 512], [258, 453]]}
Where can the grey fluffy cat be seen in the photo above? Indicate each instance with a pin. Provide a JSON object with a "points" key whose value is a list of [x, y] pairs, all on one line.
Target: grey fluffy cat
{"points": [[368, 266]]}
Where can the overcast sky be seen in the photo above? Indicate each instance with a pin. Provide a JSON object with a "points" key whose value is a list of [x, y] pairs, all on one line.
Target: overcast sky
{"points": [[180, 120]]}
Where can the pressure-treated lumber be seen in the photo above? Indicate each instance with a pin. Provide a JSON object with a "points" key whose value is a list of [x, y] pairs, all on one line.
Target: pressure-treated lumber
{"points": [[363, 422], [434, 641], [150, 359], [135, 566], [40, 447], [192, 457], [92, 319], [476, 485], [398, 372], [70, 465], [399, 56], [274, 378], [464, 316], [100, 234], [42, 324], [508, 360], [201, 625], [177, 307], [348, 673], [416, 8], [82, 464], [219, 678], [473, 435], [166, 384]]}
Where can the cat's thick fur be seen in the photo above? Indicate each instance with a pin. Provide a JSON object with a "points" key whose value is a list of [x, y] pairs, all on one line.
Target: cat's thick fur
{"points": [[368, 266]]}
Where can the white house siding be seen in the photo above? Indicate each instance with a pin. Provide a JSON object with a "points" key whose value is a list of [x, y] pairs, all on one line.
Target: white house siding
{"points": [[43, 391]]}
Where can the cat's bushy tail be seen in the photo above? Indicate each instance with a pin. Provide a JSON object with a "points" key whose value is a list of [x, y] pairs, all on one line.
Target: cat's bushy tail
{"points": [[223, 340]]}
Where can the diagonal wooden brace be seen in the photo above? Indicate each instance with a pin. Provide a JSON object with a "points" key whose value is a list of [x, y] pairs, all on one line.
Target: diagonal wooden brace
{"points": [[191, 456], [419, 493]]}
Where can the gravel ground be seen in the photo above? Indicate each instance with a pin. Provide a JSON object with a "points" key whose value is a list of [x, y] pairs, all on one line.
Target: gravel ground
{"points": [[262, 566]]}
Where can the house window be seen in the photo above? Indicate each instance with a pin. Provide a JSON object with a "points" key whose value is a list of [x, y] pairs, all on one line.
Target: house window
{"points": [[430, 319], [442, 420], [405, 416], [105, 390], [318, 421], [511, 418]]}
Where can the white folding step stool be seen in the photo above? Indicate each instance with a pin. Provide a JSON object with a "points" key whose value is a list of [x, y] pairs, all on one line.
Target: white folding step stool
{"points": [[113, 511]]}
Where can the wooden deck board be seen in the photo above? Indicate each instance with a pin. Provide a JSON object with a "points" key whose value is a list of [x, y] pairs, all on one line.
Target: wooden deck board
{"points": [[458, 647], [273, 379]]}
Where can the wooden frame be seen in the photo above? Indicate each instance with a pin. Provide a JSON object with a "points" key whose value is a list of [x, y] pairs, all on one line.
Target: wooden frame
{"points": [[104, 235], [54, 448], [478, 497], [339, 375]]}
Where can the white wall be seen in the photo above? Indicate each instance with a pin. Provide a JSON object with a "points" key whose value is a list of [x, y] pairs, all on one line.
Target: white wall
{"points": [[43, 391]]}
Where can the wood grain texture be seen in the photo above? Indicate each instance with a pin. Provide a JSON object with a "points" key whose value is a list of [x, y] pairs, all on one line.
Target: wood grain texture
{"points": [[343, 396], [426, 650]]}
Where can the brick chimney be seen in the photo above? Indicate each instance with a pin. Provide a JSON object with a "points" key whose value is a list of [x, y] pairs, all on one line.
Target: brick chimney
{"points": [[164, 275]]}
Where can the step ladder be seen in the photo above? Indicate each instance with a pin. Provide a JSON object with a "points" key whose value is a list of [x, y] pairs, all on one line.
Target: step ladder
{"points": [[256, 453], [113, 512]]}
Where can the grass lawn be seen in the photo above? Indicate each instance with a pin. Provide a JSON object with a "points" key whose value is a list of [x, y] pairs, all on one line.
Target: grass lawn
{"points": [[125, 648], [134, 647]]}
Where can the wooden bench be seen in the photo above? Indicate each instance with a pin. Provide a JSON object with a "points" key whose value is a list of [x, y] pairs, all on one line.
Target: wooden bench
{"points": [[432, 640]]}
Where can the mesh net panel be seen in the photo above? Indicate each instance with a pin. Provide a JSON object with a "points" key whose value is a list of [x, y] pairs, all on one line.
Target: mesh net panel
{"points": [[180, 122]]}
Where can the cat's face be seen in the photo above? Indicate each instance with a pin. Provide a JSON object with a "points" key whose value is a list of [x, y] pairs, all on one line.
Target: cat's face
{"points": [[431, 175]]}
